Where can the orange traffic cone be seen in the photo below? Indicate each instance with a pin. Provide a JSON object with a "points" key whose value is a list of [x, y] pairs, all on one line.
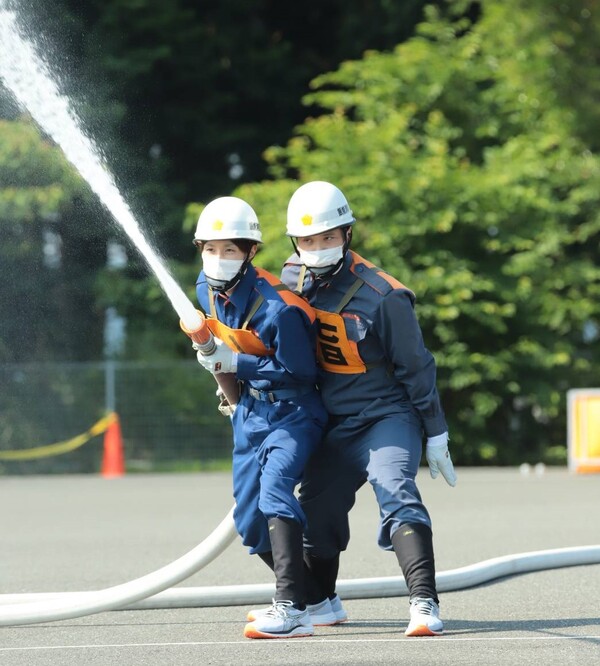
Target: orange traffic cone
{"points": [[113, 459]]}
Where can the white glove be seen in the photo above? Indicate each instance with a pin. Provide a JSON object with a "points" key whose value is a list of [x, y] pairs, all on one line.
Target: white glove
{"points": [[223, 359], [438, 458]]}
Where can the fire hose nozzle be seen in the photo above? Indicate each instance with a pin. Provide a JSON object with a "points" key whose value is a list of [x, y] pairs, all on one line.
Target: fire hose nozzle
{"points": [[205, 343], [202, 336]]}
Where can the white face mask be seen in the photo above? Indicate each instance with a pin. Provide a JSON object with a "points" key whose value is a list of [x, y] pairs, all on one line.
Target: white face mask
{"points": [[222, 270], [321, 258]]}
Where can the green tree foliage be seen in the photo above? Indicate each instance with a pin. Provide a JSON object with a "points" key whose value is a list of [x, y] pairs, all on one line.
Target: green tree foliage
{"points": [[48, 252], [182, 98], [473, 183], [213, 84], [469, 154]]}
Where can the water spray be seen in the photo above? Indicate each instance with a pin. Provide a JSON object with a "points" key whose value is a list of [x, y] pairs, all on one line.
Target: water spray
{"points": [[29, 79]]}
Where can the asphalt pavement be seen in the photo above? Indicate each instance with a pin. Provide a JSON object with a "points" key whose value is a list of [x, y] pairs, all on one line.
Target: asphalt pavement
{"points": [[82, 533]]}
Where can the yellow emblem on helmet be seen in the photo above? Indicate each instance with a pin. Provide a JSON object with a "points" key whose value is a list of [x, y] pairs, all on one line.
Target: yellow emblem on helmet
{"points": [[217, 225], [306, 220]]}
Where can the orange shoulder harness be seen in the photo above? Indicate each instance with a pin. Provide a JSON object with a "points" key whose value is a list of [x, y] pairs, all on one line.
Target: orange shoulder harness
{"points": [[357, 259], [244, 340], [289, 297]]}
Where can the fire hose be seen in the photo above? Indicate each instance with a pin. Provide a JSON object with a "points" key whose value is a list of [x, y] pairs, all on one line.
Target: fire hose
{"points": [[205, 343], [150, 591]]}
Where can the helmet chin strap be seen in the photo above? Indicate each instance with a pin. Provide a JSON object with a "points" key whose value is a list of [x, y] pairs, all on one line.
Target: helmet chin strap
{"points": [[326, 272], [222, 286]]}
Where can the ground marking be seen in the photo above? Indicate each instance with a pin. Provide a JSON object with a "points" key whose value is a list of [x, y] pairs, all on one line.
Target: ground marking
{"points": [[434, 639]]}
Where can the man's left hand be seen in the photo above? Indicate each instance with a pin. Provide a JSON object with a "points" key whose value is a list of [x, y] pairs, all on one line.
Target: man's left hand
{"points": [[223, 359], [438, 458]]}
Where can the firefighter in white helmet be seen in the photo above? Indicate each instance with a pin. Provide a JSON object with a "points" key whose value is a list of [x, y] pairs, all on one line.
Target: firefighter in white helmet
{"points": [[266, 336], [378, 383]]}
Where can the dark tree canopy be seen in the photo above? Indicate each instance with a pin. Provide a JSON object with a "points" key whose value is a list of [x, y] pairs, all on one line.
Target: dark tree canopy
{"points": [[465, 135]]}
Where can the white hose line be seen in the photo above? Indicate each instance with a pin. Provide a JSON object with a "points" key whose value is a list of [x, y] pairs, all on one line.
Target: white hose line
{"points": [[360, 588], [369, 588], [63, 607]]}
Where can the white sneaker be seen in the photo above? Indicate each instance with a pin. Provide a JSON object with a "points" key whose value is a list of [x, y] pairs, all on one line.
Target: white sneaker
{"points": [[282, 620], [338, 610], [424, 618], [321, 614]]}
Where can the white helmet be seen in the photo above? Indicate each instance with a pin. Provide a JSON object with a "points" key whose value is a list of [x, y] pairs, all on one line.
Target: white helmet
{"points": [[317, 207], [228, 218]]}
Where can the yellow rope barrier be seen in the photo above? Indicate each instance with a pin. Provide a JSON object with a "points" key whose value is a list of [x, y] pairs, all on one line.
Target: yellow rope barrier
{"points": [[61, 447]]}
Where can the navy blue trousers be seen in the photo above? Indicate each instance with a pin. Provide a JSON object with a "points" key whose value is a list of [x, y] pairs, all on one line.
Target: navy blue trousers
{"points": [[272, 444], [386, 451]]}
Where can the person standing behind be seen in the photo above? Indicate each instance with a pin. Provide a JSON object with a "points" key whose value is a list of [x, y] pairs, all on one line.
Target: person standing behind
{"points": [[378, 383], [265, 334]]}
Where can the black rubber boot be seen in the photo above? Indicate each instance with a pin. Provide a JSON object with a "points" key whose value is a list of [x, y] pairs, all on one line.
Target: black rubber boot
{"points": [[321, 576], [413, 545], [286, 547], [267, 558]]}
